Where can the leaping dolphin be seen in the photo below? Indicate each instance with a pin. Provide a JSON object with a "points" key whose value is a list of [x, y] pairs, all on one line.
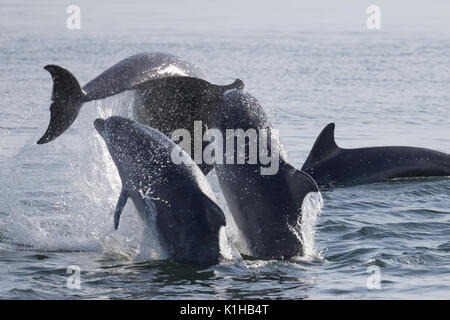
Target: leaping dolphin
{"points": [[331, 165], [170, 93], [187, 217], [266, 208]]}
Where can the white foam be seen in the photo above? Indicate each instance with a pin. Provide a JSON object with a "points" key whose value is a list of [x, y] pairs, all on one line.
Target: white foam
{"points": [[236, 240], [305, 229], [61, 194]]}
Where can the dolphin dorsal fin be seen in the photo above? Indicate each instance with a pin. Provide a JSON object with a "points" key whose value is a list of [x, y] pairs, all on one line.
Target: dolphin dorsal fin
{"points": [[324, 146]]}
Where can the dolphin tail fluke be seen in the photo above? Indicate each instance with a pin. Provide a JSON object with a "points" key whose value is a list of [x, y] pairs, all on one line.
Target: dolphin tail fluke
{"points": [[67, 99]]}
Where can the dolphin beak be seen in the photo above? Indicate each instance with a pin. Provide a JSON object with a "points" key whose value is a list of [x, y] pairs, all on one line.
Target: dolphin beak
{"points": [[99, 125]]}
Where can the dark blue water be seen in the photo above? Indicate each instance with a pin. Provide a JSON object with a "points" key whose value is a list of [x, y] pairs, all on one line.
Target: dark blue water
{"points": [[309, 65]]}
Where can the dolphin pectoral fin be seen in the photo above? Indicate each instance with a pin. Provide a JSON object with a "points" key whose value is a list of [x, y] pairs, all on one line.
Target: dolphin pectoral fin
{"points": [[119, 207], [214, 214], [67, 99], [324, 147], [299, 182]]}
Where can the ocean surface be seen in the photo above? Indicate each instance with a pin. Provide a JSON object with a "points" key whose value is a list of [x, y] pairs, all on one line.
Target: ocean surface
{"points": [[309, 64]]}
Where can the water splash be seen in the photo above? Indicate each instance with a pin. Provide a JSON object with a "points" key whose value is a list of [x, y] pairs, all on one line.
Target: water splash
{"points": [[305, 229], [61, 195], [232, 240]]}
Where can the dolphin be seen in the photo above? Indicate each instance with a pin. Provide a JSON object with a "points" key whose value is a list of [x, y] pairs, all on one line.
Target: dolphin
{"points": [[265, 207], [331, 165], [170, 93], [188, 218]]}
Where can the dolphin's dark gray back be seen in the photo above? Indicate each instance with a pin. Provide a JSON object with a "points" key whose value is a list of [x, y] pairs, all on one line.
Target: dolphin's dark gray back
{"points": [[331, 165], [135, 70]]}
